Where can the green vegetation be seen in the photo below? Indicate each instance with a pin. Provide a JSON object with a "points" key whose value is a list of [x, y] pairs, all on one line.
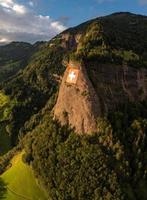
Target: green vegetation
{"points": [[6, 107], [108, 165], [2, 189], [110, 39], [13, 58], [20, 182], [3, 100], [31, 89], [5, 144], [118, 39]]}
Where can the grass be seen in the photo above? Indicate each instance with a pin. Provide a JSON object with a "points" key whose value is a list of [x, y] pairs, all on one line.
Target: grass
{"points": [[4, 138], [3, 99], [21, 183], [5, 111]]}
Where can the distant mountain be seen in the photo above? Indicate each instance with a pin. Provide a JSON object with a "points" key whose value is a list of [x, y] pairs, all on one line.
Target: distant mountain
{"points": [[86, 140], [14, 57]]}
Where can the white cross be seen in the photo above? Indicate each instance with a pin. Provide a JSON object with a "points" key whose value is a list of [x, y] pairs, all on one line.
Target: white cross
{"points": [[72, 76]]}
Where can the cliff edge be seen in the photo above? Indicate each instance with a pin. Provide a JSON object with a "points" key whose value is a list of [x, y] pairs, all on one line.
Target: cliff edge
{"points": [[77, 103]]}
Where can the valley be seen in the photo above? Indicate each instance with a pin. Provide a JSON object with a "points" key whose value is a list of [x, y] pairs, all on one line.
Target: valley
{"points": [[73, 113]]}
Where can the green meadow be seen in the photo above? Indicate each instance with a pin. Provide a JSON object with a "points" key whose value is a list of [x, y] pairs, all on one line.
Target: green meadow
{"points": [[20, 182]]}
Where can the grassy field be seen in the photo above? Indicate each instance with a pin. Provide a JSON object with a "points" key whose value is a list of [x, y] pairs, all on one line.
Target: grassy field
{"points": [[21, 183]]}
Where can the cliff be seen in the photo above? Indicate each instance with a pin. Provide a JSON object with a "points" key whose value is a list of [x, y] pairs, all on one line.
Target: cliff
{"points": [[113, 71], [97, 69], [78, 104], [111, 56], [97, 91]]}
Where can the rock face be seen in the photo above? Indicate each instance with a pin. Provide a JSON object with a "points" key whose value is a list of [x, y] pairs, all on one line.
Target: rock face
{"points": [[70, 41], [106, 81], [77, 103], [115, 85], [99, 89]]}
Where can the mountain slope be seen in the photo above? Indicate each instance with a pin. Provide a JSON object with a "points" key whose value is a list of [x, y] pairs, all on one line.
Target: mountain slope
{"points": [[110, 164], [13, 58], [92, 42], [114, 158], [20, 181]]}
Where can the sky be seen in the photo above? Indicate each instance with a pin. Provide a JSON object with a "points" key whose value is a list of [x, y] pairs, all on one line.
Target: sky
{"points": [[37, 20]]}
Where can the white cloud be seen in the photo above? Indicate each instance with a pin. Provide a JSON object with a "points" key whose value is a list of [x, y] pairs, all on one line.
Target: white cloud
{"points": [[6, 3], [4, 40], [18, 23], [57, 26], [10, 5], [19, 9]]}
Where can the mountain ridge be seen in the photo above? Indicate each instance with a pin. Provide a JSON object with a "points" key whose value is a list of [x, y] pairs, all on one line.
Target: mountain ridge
{"points": [[112, 50], [96, 44]]}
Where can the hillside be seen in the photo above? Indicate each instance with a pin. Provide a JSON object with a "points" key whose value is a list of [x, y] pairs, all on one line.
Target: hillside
{"points": [[43, 111], [20, 182], [13, 58], [114, 60]]}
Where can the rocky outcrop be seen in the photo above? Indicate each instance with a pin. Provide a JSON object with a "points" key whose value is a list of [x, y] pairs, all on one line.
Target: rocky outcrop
{"points": [[77, 103], [115, 84], [100, 88], [70, 41], [105, 81]]}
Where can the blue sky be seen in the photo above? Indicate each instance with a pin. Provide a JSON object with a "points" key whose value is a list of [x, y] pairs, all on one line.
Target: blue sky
{"points": [[81, 10], [34, 20]]}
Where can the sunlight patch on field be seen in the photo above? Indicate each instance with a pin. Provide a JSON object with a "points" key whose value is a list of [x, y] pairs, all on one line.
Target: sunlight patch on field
{"points": [[3, 99], [21, 183]]}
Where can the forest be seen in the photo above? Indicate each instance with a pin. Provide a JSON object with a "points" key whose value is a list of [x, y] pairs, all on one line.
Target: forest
{"points": [[108, 164]]}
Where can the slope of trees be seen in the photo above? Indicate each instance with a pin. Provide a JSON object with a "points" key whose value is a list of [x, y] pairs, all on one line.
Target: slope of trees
{"points": [[13, 58], [110, 164], [3, 189]]}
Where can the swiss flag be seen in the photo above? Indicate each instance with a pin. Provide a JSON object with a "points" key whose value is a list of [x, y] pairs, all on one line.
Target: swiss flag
{"points": [[72, 76]]}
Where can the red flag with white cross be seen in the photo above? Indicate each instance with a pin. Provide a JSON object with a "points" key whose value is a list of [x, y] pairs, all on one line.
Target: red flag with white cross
{"points": [[72, 76]]}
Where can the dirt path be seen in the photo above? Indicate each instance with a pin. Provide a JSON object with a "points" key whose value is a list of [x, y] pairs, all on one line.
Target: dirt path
{"points": [[19, 195]]}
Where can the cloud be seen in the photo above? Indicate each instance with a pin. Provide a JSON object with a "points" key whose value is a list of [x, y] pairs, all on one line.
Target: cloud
{"points": [[11, 6], [4, 40], [19, 23]]}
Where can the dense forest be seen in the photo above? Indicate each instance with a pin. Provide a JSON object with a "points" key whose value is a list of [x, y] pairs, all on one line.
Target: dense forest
{"points": [[109, 164]]}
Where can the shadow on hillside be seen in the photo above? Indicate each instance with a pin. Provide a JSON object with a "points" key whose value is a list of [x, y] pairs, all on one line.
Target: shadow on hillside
{"points": [[3, 189]]}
